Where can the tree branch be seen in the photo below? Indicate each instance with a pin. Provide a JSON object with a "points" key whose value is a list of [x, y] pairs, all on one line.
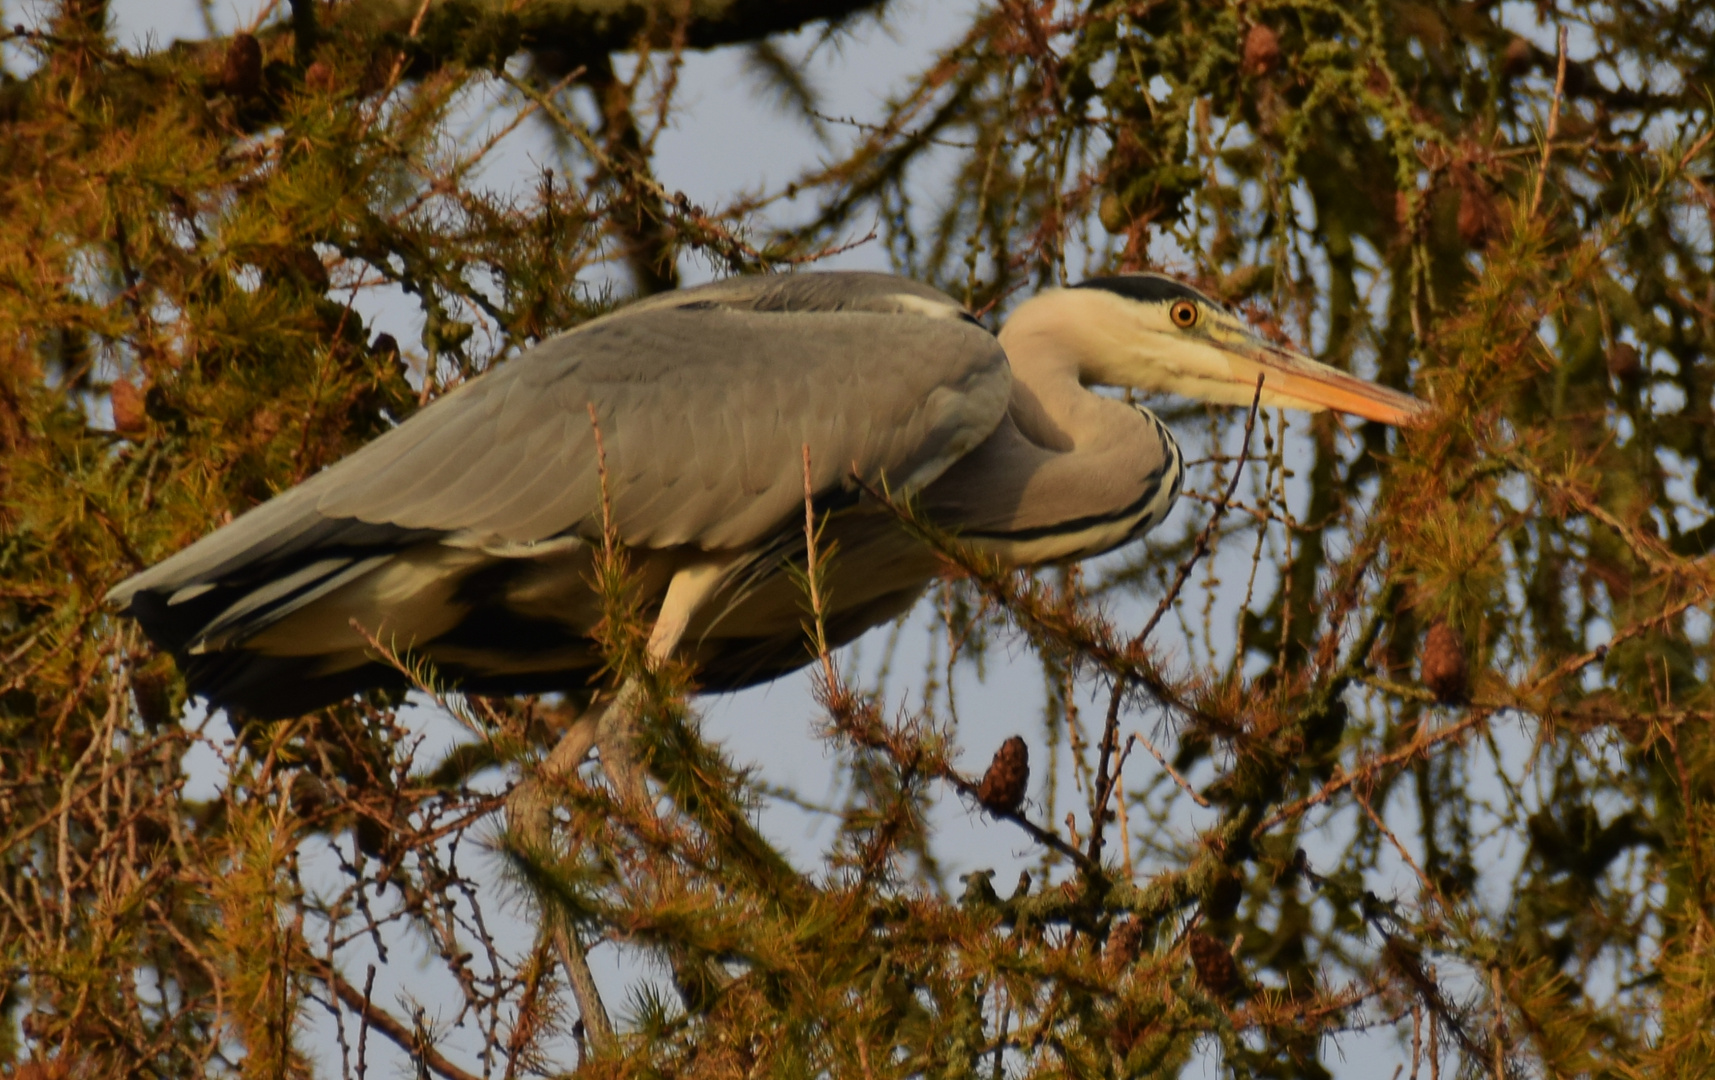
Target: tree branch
{"points": [[386, 1023]]}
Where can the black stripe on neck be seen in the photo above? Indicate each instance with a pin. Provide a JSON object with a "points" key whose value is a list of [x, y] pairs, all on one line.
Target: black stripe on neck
{"points": [[1075, 526]]}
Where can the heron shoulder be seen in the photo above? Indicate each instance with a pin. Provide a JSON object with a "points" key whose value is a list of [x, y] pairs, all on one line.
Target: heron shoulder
{"points": [[811, 292]]}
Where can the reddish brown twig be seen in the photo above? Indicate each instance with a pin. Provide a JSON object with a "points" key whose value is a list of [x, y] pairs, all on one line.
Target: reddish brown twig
{"points": [[1105, 781]]}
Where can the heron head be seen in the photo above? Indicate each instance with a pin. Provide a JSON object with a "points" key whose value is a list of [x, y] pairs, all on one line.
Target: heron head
{"points": [[1153, 333]]}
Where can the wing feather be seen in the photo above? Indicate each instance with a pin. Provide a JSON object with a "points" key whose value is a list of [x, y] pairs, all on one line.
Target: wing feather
{"points": [[688, 462]]}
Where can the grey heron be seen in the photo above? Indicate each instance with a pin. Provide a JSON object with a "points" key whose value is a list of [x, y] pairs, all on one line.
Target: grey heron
{"points": [[468, 533]]}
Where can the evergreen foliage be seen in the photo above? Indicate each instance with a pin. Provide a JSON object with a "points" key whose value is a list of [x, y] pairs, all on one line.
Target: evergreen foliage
{"points": [[1445, 194]]}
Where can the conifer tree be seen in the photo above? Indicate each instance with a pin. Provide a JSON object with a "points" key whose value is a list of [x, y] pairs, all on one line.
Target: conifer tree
{"points": [[1476, 653]]}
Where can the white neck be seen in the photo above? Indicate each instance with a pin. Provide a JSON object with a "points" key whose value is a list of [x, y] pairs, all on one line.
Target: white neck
{"points": [[1058, 343], [1085, 333]]}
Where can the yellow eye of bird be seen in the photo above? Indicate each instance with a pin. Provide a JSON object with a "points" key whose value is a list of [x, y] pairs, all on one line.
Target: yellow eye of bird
{"points": [[1183, 313]]}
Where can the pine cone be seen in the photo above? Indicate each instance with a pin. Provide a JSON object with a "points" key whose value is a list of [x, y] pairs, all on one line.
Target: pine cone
{"points": [[1216, 968], [153, 686], [1262, 50], [319, 76], [1442, 665], [241, 74], [1224, 897], [1125, 943], [1003, 786], [1516, 58], [1624, 361], [1479, 218], [309, 795], [130, 415]]}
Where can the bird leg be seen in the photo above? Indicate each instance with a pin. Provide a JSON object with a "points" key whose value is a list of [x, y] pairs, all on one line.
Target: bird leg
{"points": [[616, 729]]}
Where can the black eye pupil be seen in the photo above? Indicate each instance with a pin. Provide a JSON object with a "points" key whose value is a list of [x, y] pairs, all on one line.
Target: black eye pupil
{"points": [[1184, 314]]}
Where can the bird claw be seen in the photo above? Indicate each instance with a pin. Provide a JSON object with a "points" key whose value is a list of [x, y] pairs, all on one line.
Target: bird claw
{"points": [[616, 737]]}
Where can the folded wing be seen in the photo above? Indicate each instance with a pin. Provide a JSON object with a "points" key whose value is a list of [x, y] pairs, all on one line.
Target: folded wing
{"points": [[703, 399]]}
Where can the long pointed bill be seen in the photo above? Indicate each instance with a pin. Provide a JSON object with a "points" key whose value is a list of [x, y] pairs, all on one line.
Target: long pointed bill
{"points": [[1295, 381]]}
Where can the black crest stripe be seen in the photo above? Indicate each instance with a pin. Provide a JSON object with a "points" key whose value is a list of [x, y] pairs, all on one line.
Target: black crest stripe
{"points": [[1150, 289]]}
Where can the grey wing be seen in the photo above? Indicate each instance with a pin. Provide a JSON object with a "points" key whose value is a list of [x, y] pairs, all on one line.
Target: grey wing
{"points": [[703, 413], [704, 400]]}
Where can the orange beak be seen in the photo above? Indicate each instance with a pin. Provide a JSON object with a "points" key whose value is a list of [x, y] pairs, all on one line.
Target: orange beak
{"points": [[1315, 385], [1294, 381]]}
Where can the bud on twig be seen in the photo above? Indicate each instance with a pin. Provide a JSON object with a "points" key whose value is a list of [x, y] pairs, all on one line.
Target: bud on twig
{"points": [[1003, 786]]}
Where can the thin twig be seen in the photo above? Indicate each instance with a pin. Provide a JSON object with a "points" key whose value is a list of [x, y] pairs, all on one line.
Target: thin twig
{"points": [[813, 578], [1205, 540], [1381, 826], [1497, 1032], [363, 1024], [609, 535], [1367, 769], [1696, 148], [1553, 125], [1184, 784], [394, 74], [383, 1021]]}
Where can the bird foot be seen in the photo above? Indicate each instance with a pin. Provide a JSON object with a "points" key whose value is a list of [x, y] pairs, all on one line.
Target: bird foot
{"points": [[610, 729], [616, 737]]}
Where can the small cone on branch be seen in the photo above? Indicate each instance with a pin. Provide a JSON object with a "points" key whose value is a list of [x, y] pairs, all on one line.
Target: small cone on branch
{"points": [[319, 77], [1003, 786], [152, 685], [1624, 361], [1479, 218], [1125, 943], [129, 415], [1442, 665], [1215, 966], [241, 74], [1262, 50], [309, 795], [1516, 58], [1224, 897]]}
